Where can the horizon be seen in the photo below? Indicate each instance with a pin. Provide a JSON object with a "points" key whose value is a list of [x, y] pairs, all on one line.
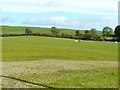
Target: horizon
{"points": [[46, 27], [69, 14]]}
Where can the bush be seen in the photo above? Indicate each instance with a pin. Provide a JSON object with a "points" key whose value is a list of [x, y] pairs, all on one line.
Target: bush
{"points": [[117, 32], [55, 32], [88, 36], [28, 31], [77, 32]]}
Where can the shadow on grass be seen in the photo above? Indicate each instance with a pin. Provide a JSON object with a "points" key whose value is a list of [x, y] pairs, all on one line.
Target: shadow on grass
{"points": [[49, 87]]}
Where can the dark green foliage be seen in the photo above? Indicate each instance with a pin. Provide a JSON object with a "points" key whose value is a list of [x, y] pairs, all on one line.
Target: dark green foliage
{"points": [[8, 35], [88, 36], [28, 31], [92, 35], [86, 31], [93, 31], [63, 35], [55, 31], [117, 31], [107, 31], [99, 38], [77, 32]]}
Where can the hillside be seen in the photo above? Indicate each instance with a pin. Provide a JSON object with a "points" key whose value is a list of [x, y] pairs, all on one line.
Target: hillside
{"points": [[21, 30]]}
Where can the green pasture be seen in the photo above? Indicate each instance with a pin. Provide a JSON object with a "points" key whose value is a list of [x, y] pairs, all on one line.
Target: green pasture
{"points": [[21, 30], [58, 63], [38, 48]]}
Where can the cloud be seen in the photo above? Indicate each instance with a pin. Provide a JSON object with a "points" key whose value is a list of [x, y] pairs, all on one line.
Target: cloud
{"points": [[43, 21], [59, 21], [45, 12], [59, 18], [99, 22], [65, 22], [108, 7]]}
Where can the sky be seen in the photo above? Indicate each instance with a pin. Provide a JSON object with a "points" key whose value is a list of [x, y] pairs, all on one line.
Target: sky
{"points": [[74, 14]]}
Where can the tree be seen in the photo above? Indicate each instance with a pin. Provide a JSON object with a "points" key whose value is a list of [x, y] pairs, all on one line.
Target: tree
{"points": [[77, 32], [28, 31], [93, 31], [88, 36], [117, 32], [55, 31], [86, 31], [107, 31]]}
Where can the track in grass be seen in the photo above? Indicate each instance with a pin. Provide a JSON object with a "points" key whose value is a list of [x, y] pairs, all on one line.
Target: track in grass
{"points": [[61, 73], [25, 81]]}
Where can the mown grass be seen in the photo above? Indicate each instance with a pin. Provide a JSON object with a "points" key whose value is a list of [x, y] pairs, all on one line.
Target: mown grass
{"points": [[95, 78], [56, 73], [37, 48], [21, 30]]}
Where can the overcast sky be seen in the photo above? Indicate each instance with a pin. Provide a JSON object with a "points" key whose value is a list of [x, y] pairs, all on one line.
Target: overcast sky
{"points": [[76, 14]]}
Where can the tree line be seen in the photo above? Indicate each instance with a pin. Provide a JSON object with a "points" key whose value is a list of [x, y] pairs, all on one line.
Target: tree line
{"points": [[88, 35]]}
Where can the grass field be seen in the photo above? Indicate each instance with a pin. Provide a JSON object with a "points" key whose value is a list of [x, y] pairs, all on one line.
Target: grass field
{"points": [[21, 30], [60, 74], [36, 48], [42, 62]]}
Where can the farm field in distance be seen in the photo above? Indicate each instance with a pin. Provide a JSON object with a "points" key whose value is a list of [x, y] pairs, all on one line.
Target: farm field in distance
{"points": [[58, 63], [21, 30]]}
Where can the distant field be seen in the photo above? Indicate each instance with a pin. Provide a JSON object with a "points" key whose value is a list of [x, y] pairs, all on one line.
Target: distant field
{"points": [[36, 48], [21, 30]]}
